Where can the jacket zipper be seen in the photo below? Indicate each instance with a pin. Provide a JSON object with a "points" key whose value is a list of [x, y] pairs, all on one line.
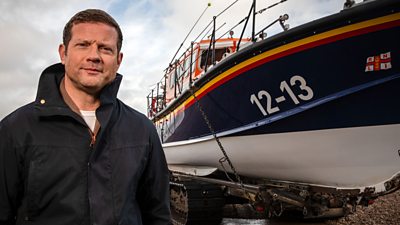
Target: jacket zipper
{"points": [[91, 147], [93, 141]]}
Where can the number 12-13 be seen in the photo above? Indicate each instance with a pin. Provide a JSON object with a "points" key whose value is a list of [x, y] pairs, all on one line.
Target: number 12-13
{"points": [[307, 94]]}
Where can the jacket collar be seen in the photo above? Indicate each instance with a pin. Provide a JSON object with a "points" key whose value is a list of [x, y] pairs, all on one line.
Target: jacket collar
{"points": [[49, 99]]}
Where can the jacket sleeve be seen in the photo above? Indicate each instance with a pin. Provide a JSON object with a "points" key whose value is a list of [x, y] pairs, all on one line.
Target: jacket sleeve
{"points": [[153, 192], [9, 178]]}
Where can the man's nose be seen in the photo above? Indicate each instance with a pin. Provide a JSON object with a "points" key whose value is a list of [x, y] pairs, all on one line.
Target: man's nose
{"points": [[94, 54]]}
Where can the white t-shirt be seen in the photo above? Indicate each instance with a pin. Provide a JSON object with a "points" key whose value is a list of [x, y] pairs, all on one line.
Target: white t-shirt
{"points": [[90, 118]]}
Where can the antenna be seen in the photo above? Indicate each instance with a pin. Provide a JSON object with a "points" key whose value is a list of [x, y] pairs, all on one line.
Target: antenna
{"points": [[208, 5]]}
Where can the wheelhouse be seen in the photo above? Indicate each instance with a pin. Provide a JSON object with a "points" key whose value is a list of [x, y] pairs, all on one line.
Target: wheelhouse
{"points": [[192, 65]]}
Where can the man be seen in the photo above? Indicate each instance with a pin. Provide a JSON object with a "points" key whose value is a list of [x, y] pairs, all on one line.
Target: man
{"points": [[77, 154]]}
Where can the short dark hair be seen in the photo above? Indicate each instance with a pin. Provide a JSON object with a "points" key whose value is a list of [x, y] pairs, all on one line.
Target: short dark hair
{"points": [[91, 16]]}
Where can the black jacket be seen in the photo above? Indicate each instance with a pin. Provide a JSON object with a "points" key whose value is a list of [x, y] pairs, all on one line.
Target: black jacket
{"points": [[50, 174]]}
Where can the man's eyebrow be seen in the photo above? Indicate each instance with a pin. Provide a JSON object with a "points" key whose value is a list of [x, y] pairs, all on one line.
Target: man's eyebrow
{"points": [[104, 44], [84, 40]]}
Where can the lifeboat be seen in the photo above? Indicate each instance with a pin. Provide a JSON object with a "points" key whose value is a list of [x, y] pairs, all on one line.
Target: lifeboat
{"points": [[313, 105]]}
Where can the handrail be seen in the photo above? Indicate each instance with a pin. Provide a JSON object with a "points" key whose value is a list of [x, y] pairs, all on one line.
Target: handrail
{"points": [[281, 19], [244, 28]]}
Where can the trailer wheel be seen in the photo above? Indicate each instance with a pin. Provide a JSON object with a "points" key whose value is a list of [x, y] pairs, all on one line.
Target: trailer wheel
{"points": [[196, 203]]}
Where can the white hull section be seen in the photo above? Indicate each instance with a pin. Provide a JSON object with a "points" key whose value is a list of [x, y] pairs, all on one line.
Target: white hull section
{"points": [[343, 158]]}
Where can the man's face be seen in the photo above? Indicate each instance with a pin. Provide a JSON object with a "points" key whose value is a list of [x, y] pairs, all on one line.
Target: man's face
{"points": [[91, 60]]}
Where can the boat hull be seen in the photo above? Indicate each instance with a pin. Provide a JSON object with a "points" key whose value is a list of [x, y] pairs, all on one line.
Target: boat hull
{"points": [[344, 158]]}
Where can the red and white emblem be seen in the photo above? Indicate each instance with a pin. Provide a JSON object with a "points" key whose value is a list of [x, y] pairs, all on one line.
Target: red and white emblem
{"points": [[379, 62]]}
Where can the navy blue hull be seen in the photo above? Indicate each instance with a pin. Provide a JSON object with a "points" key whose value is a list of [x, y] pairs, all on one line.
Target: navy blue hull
{"points": [[319, 87]]}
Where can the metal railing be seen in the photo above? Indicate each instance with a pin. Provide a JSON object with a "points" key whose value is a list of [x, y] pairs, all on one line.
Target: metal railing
{"points": [[157, 99]]}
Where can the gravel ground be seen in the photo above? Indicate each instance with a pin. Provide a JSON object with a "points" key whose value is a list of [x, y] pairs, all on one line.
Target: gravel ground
{"points": [[384, 211]]}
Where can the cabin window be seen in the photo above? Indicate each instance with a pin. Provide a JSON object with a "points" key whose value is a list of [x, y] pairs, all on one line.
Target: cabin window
{"points": [[187, 66], [218, 56], [194, 59], [178, 70], [172, 78], [181, 69]]}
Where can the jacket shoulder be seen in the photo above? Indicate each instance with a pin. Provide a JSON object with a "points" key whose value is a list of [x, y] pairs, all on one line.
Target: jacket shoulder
{"points": [[136, 116], [16, 122], [20, 115]]}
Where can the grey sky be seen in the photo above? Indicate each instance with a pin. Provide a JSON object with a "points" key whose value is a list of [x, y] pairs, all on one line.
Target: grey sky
{"points": [[153, 29]]}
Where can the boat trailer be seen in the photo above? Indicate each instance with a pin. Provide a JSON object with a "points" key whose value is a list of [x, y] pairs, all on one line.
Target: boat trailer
{"points": [[200, 200]]}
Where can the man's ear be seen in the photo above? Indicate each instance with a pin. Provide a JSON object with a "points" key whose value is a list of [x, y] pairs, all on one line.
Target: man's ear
{"points": [[119, 58], [62, 53]]}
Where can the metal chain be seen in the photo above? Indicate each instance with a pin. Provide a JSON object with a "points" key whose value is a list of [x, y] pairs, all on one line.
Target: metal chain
{"points": [[226, 157]]}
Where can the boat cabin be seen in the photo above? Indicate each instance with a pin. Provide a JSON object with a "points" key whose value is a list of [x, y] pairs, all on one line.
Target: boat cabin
{"points": [[183, 72]]}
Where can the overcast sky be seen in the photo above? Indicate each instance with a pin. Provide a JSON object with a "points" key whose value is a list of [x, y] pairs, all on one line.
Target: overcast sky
{"points": [[153, 30]]}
